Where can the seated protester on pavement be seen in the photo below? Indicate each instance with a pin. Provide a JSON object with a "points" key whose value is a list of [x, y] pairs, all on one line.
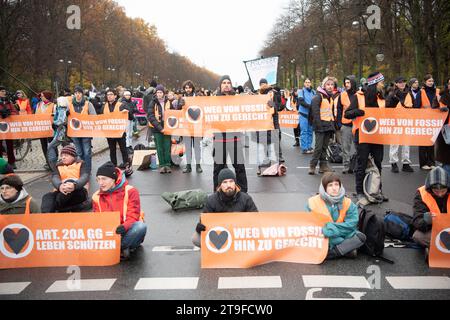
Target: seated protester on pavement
{"points": [[69, 177], [228, 198], [342, 230], [14, 199], [431, 199], [116, 195]]}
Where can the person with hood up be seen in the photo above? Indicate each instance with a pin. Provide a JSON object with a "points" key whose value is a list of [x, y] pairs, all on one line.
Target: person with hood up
{"points": [[305, 96], [323, 124], [14, 199], [116, 195], [342, 228]]}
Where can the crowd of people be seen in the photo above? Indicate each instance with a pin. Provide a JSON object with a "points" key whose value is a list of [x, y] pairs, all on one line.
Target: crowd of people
{"points": [[325, 115]]}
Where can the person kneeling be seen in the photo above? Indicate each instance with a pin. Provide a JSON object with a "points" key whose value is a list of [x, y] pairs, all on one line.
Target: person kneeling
{"points": [[14, 199], [116, 195], [70, 177], [342, 230]]}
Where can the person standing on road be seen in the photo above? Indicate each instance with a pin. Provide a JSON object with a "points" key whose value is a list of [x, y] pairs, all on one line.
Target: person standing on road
{"points": [[116, 195], [342, 228], [442, 149], [305, 97], [7, 109], [131, 107], [228, 198], [46, 106], [14, 199]]}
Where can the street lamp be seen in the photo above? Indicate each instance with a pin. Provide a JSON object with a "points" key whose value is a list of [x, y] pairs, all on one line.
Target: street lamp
{"points": [[66, 70], [294, 66], [311, 50], [358, 24]]}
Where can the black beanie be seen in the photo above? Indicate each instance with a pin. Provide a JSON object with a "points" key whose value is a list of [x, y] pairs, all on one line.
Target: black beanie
{"points": [[12, 181], [263, 81], [108, 170], [226, 174], [226, 77]]}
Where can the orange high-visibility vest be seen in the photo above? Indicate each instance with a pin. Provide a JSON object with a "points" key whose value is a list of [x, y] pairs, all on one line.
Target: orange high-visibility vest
{"points": [[84, 111], [318, 205], [362, 106], [70, 172], [96, 200], [345, 101], [27, 206], [408, 103], [24, 106], [425, 102], [49, 109], [326, 110], [157, 115], [116, 108], [431, 203]]}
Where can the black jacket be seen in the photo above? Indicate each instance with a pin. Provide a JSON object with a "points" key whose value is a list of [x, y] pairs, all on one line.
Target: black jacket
{"points": [[318, 124], [218, 203], [442, 149], [158, 124], [420, 208], [131, 106]]}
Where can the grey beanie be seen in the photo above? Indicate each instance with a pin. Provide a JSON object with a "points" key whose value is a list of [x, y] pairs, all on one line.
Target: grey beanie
{"points": [[437, 176], [225, 77]]}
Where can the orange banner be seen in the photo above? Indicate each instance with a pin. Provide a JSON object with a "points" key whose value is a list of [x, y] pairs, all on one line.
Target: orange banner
{"points": [[26, 127], [245, 240], [100, 126], [402, 126], [202, 116], [59, 240], [289, 119], [440, 242]]}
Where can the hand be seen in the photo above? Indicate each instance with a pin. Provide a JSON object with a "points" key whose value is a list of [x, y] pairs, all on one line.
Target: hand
{"points": [[63, 189], [428, 218], [70, 187], [121, 230], [162, 131], [200, 228], [361, 113]]}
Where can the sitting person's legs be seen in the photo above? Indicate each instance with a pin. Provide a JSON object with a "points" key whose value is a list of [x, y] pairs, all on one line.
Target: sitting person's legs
{"points": [[135, 236]]}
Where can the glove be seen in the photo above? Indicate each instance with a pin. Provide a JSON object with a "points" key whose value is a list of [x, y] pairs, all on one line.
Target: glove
{"points": [[444, 109], [360, 113], [428, 218], [121, 230], [200, 228]]}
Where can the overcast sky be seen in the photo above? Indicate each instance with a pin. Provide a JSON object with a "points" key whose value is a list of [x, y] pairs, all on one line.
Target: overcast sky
{"points": [[218, 35]]}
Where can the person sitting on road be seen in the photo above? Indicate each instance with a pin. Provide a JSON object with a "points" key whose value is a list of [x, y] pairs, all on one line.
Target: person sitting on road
{"points": [[115, 195], [228, 198], [431, 199], [70, 178], [14, 199], [342, 230]]}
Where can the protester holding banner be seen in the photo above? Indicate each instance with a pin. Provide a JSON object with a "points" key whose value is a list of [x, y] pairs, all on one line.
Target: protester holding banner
{"points": [[305, 97], [69, 178], [427, 94], [414, 90], [400, 97], [227, 198], [14, 199], [342, 230], [442, 146], [80, 105], [46, 106], [112, 105], [7, 109], [291, 105], [158, 105], [323, 123], [116, 195], [430, 200], [131, 107], [23, 103], [229, 143]]}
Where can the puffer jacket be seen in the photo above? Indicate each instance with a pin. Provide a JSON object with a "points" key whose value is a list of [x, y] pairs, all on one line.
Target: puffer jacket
{"points": [[241, 202]]}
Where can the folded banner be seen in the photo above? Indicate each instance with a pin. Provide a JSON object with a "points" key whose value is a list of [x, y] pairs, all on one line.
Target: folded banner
{"points": [[58, 240], [289, 119], [401, 126], [440, 242], [26, 127], [245, 240], [100, 126], [202, 116]]}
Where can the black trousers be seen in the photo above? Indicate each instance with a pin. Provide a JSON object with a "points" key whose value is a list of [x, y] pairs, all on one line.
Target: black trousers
{"points": [[426, 156], [320, 149], [364, 150], [235, 150], [112, 142], [57, 202], [297, 132], [9, 151], [44, 143]]}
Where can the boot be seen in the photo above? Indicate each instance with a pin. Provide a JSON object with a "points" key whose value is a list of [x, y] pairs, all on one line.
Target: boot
{"points": [[199, 169], [297, 142], [312, 169], [188, 169], [324, 167]]}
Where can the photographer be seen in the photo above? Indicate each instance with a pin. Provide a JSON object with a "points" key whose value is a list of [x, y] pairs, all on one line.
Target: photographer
{"points": [[7, 109]]}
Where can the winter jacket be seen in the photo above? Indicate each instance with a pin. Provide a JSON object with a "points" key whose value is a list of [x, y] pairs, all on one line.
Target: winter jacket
{"points": [[130, 106], [442, 149], [113, 200], [156, 120], [241, 202], [9, 108], [78, 106], [304, 100], [80, 183], [18, 206], [318, 124]]}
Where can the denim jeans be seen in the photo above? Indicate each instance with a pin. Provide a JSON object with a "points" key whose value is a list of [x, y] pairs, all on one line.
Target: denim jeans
{"points": [[306, 134], [84, 150], [135, 236]]}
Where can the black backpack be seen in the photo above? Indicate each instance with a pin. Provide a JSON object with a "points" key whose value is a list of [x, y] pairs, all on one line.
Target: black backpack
{"points": [[334, 153], [374, 229]]}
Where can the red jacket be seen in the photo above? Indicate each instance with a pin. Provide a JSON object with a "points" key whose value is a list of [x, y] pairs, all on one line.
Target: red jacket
{"points": [[114, 201]]}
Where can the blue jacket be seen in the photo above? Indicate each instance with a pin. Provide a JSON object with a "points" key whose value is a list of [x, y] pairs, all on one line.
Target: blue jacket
{"points": [[304, 100], [338, 232]]}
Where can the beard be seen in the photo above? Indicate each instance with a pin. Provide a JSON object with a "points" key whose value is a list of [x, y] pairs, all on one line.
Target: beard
{"points": [[229, 192]]}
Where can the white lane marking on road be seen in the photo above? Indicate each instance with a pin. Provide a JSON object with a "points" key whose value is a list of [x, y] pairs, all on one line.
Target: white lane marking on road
{"points": [[342, 167], [289, 135], [167, 284], [250, 282], [85, 285], [419, 283], [336, 282], [175, 249], [10, 288]]}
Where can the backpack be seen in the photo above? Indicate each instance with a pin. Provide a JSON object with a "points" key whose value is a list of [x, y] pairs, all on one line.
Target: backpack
{"points": [[372, 183], [276, 170], [398, 225], [374, 229], [186, 200], [334, 153]]}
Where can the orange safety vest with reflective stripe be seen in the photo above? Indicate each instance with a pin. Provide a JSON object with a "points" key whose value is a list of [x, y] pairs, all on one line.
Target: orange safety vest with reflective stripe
{"points": [[84, 111], [345, 101], [27, 206], [431, 203], [116, 108], [157, 115], [49, 109], [408, 103], [70, 172], [318, 205], [23, 106], [362, 106], [425, 102], [326, 110], [96, 199]]}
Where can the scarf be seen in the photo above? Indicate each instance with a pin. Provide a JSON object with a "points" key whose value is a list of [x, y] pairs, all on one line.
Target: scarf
{"points": [[330, 200]]}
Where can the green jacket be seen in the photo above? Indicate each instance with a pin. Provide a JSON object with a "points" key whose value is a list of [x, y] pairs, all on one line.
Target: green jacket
{"points": [[18, 206]]}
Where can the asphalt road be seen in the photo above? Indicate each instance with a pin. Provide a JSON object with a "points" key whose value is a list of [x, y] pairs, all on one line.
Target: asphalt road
{"points": [[167, 267]]}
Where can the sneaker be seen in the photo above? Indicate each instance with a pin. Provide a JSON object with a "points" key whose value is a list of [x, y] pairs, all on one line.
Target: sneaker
{"points": [[187, 169], [199, 169], [312, 170], [297, 144], [345, 171], [310, 151], [162, 170], [168, 170], [407, 168], [281, 159], [425, 167], [258, 171], [384, 198], [394, 168]]}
